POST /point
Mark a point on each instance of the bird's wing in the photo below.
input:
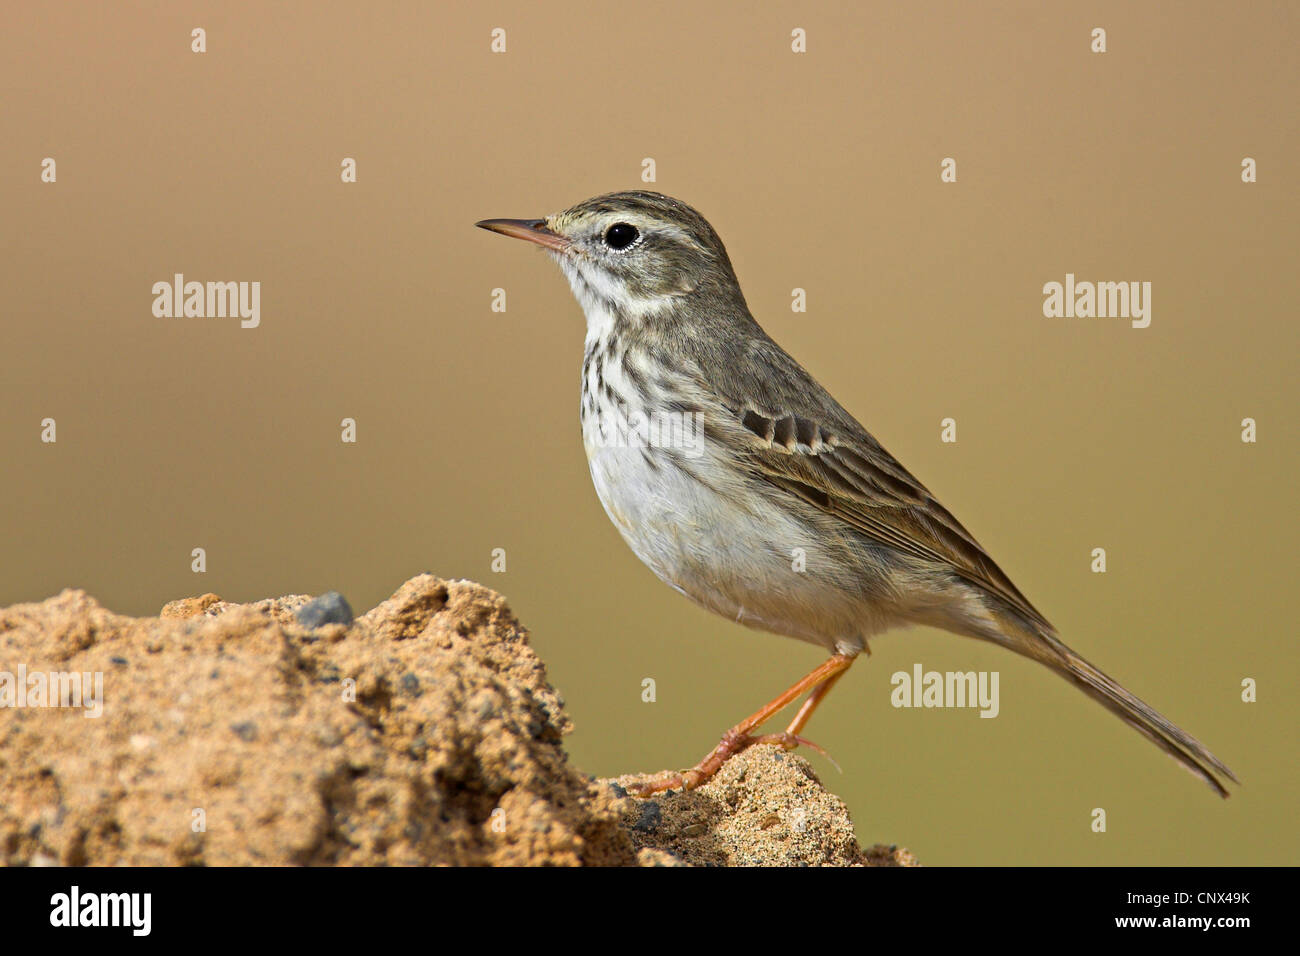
(803, 442)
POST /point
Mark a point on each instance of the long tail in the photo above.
(1168, 736)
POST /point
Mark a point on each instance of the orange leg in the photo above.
(820, 681)
(815, 698)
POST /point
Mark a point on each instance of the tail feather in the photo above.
(1165, 734)
(1168, 736)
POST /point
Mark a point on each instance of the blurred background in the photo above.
(820, 171)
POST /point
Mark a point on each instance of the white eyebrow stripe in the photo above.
(673, 231)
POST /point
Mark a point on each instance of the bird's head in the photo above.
(631, 254)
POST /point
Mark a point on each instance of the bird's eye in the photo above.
(620, 235)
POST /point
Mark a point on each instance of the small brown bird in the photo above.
(718, 457)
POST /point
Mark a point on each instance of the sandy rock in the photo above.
(765, 807)
(189, 607)
(425, 732)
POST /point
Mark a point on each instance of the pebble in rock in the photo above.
(329, 608)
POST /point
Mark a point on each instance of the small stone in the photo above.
(485, 704)
(189, 607)
(650, 819)
(330, 608)
(246, 730)
(328, 737)
(694, 830)
(119, 661)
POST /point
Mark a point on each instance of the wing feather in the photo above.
(846, 473)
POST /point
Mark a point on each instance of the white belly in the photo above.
(735, 553)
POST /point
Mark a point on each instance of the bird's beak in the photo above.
(534, 230)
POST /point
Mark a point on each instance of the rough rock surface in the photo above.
(765, 807)
(423, 733)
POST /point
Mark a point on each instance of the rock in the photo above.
(330, 608)
(765, 807)
(189, 607)
(424, 732)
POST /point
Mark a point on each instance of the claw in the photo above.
(790, 741)
(657, 783)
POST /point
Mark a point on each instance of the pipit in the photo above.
(767, 502)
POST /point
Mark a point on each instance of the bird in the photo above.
(761, 464)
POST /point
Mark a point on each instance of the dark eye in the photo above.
(620, 235)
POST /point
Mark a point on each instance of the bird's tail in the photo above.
(1047, 648)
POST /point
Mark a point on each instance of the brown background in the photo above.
(820, 171)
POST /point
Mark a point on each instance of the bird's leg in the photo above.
(740, 736)
(815, 698)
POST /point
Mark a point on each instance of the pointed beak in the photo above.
(534, 230)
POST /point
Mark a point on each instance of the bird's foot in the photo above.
(738, 738)
(788, 741)
(732, 743)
